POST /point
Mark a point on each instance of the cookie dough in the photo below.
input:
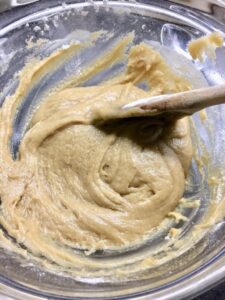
(79, 185)
(205, 46)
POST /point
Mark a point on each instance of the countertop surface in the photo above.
(216, 293)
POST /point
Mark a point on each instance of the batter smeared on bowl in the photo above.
(77, 185)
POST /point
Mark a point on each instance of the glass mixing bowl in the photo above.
(39, 29)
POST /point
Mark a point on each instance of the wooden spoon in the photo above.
(176, 105)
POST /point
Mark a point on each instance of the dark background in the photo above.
(217, 293)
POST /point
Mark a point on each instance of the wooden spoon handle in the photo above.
(184, 103)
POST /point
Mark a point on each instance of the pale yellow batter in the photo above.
(205, 46)
(76, 184)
